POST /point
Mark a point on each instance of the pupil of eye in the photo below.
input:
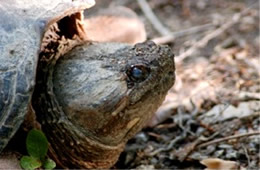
(137, 73)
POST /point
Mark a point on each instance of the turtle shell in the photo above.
(22, 26)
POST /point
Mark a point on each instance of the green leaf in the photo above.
(49, 164)
(30, 163)
(36, 144)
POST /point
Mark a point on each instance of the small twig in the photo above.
(244, 95)
(204, 41)
(195, 110)
(172, 36)
(228, 138)
(170, 145)
(180, 122)
(203, 138)
(152, 17)
(185, 151)
(247, 156)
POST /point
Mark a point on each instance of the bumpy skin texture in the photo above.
(22, 24)
(98, 96)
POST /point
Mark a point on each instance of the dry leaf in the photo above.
(219, 164)
(221, 112)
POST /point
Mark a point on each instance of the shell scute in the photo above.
(22, 26)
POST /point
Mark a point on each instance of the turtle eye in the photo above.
(138, 73)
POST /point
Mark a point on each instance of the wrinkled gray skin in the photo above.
(22, 25)
(94, 85)
(93, 103)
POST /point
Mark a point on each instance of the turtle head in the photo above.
(97, 96)
(110, 90)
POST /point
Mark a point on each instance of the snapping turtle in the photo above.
(89, 97)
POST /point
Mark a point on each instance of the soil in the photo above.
(217, 91)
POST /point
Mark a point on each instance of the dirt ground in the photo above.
(213, 109)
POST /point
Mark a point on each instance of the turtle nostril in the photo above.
(151, 45)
